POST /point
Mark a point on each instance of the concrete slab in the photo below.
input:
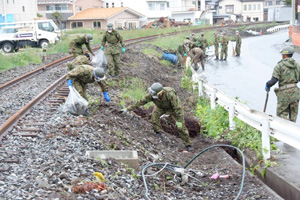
(123, 156)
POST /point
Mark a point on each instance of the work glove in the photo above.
(123, 49)
(220, 46)
(184, 54)
(197, 43)
(124, 111)
(93, 53)
(267, 88)
(70, 51)
(70, 83)
(102, 48)
(106, 97)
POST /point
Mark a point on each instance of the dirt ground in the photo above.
(135, 133)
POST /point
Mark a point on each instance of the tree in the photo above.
(39, 15)
(57, 18)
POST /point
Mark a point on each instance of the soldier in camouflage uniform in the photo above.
(76, 45)
(79, 60)
(287, 74)
(216, 44)
(197, 55)
(114, 40)
(238, 44)
(224, 48)
(81, 75)
(203, 42)
(166, 102)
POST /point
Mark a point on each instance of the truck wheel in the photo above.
(7, 47)
(44, 43)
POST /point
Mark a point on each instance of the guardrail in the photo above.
(281, 129)
(277, 28)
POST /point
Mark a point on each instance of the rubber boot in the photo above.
(217, 58)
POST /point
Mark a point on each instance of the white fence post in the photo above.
(194, 80)
(200, 88)
(266, 150)
(213, 99)
(231, 116)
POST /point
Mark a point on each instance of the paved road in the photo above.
(245, 77)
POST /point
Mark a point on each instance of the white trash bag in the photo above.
(75, 104)
(99, 60)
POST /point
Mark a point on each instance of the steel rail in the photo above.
(13, 119)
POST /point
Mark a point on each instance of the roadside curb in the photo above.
(273, 181)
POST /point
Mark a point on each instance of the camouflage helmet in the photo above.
(155, 89)
(89, 37)
(109, 25)
(187, 37)
(214, 33)
(202, 34)
(287, 50)
(236, 31)
(99, 74)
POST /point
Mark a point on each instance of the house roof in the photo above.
(103, 13)
(54, 1)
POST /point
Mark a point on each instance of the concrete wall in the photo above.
(81, 5)
(22, 10)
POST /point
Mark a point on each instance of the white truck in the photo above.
(36, 33)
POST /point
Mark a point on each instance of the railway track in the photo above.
(39, 79)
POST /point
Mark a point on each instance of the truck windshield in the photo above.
(46, 26)
(56, 29)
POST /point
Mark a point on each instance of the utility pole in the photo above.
(293, 13)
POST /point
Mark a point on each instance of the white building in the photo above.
(242, 10)
(17, 10)
(173, 9)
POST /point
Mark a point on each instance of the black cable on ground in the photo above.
(172, 167)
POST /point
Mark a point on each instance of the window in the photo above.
(249, 7)
(121, 4)
(168, 4)
(151, 6)
(254, 6)
(97, 24)
(23, 8)
(76, 25)
(107, 5)
(79, 8)
(162, 6)
(59, 7)
(119, 26)
(45, 26)
(132, 25)
(229, 8)
(112, 5)
(255, 19)
(278, 2)
(268, 3)
(49, 7)
(258, 6)
(245, 7)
